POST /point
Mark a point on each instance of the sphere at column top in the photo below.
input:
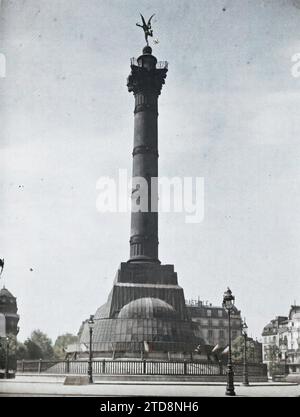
(147, 50)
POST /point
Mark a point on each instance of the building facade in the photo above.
(9, 329)
(255, 351)
(9, 313)
(270, 337)
(281, 341)
(211, 322)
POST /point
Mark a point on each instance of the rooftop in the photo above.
(5, 293)
(201, 307)
(294, 312)
(273, 327)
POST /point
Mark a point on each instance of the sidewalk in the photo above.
(123, 389)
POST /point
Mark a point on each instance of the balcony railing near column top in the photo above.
(162, 65)
(159, 64)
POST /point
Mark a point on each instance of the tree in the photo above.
(33, 351)
(238, 350)
(39, 346)
(273, 358)
(21, 351)
(62, 342)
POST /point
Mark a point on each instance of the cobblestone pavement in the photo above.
(15, 388)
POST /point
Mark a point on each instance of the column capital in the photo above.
(144, 80)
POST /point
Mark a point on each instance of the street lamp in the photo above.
(245, 370)
(91, 325)
(228, 303)
(6, 358)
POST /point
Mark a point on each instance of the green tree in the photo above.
(33, 350)
(21, 351)
(62, 342)
(39, 346)
(238, 350)
(273, 358)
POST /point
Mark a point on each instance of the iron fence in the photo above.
(135, 367)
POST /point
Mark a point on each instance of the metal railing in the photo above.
(162, 65)
(134, 367)
(159, 65)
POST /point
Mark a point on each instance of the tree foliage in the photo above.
(253, 354)
(62, 342)
(39, 346)
(273, 352)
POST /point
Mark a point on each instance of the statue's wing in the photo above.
(143, 20)
(149, 21)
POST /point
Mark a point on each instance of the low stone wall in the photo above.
(33, 377)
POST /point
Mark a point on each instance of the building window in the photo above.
(220, 313)
(208, 313)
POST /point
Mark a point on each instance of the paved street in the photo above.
(15, 388)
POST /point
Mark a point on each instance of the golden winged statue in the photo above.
(146, 27)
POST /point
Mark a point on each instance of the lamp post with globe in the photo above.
(91, 325)
(228, 304)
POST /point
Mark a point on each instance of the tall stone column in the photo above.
(145, 81)
(146, 304)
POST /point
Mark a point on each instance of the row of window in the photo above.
(220, 313)
(218, 323)
(270, 339)
(210, 334)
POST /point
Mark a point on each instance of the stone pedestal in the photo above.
(145, 312)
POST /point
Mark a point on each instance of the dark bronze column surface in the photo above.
(145, 81)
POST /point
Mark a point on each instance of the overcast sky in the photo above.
(229, 112)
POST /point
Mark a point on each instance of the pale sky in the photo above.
(229, 112)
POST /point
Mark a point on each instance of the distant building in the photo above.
(270, 336)
(8, 326)
(211, 322)
(289, 340)
(281, 341)
(8, 311)
(255, 354)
